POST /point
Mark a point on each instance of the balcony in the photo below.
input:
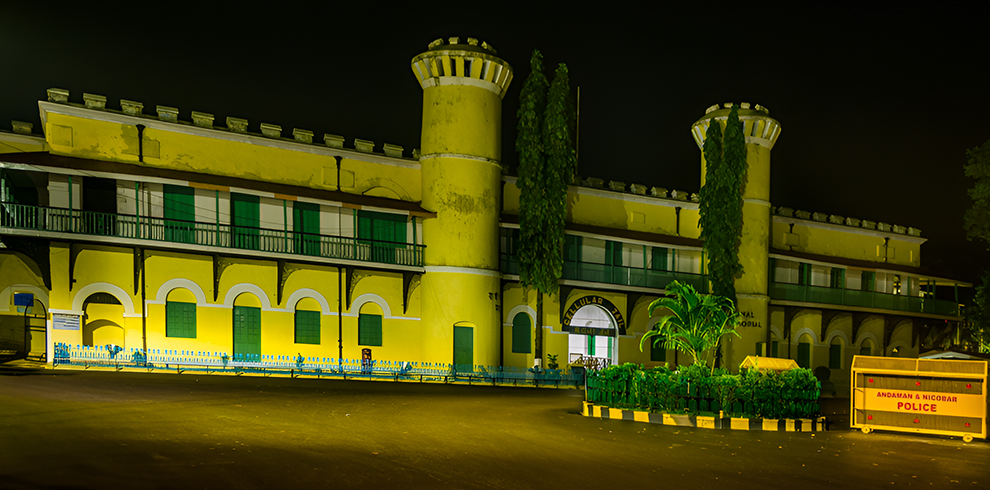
(616, 274)
(107, 225)
(863, 299)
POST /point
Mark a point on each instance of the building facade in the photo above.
(143, 230)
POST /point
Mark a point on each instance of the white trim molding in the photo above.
(27, 288)
(290, 303)
(461, 270)
(104, 287)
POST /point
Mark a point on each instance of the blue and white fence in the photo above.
(301, 366)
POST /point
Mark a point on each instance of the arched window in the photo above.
(370, 325)
(804, 352)
(658, 353)
(521, 333)
(835, 354)
(180, 314)
(307, 321)
(866, 348)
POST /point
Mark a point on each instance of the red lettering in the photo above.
(900, 405)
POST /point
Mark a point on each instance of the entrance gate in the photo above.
(463, 347)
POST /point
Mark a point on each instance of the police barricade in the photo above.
(928, 396)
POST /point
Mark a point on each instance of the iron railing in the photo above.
(865, 299)
(28, 217)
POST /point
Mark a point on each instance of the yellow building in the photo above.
(173, 235)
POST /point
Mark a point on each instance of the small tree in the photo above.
(977, 313)
(696, 322)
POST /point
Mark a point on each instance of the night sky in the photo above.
(877, 105)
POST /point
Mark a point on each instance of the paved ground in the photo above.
(73, 429)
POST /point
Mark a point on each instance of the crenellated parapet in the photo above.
(454, 63)
(206, 120)
(758, 126)
(845, 221)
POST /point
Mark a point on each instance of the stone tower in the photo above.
(463, 86)
(752, 298)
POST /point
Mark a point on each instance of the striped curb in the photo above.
(705, 422)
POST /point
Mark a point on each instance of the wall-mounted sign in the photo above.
(603, 303)
(62, 321)
(749, 320)
(604, 332)
(23, 299)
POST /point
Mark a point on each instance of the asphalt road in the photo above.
(74, 429)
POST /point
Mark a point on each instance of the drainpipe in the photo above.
(144, 308)
(140, 130)
(340, 287)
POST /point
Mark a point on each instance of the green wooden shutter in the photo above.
(307, 327)
(804, 355)
(572, 248)
(835, 356)
(613, 253)
(657, 351)
(179, 211)
(370, 330)
(804, 274)
(180, 319)
(245, 216)
(306, 224)
(521, 333)
(659, 259)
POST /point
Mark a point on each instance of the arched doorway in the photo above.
(593, 324)
(104, 320)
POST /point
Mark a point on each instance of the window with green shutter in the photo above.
(659, 259)
(383, 232)
(245, 217)
(180, 319)
(804, 355)
(307, 327)
(179, 211)
(613, 253)
(306, 224)
(369, 329)
(657, 351)
(804, 274)
(572, 248)
(521, 333)
(837, 278)
(835, 356)
(869, 281)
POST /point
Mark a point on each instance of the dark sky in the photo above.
(877, 105)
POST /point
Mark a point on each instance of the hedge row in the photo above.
(752, 393)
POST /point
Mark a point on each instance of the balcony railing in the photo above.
(616, 274)
(865, 299)
(26, 217)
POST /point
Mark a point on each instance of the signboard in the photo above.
(605, 332)
(62, 321)
(23, 299)
(951, 404)
(605, 304)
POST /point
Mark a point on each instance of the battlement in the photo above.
(758, 126)
(835, 219)
(206, 121)
(454, 63)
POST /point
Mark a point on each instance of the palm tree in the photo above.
(696, 324)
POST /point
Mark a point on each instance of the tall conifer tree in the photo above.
(533, 270)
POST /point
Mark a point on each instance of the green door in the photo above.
(247, 333)
(464, 348)
(180, 213)
(384, 232)
(306, 224)
(245, 218)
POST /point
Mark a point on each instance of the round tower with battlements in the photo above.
(463, 86)
(752, 298)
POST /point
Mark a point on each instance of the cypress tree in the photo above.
(532, 187)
